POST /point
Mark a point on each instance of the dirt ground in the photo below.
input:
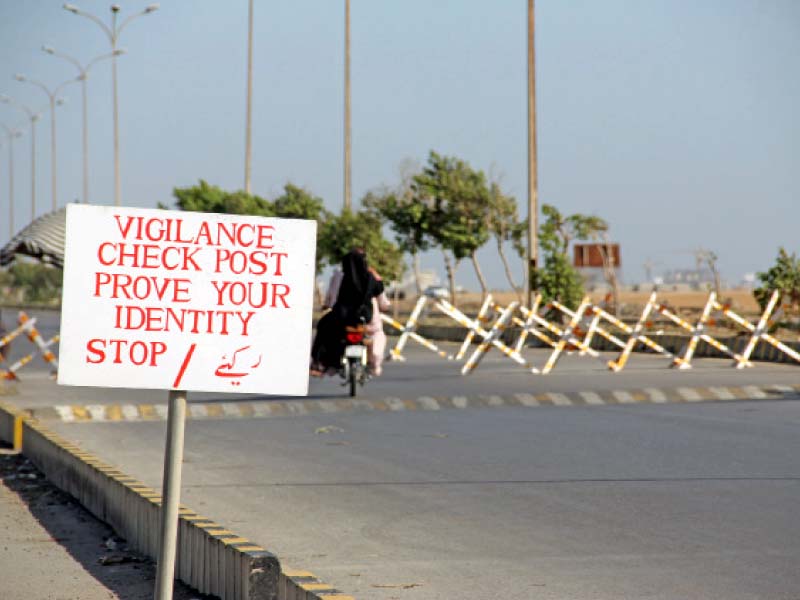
(53, 549)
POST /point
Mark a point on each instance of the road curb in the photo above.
(104, 413)
(210, 558)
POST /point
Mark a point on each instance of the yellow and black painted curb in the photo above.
(210, 558)
(11, 420)
(284, 408)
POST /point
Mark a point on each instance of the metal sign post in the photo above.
(171, 495)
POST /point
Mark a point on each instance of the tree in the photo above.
(298, 203)
(609, 268)
(294, 203)
(362, 229)
(210, 198)
(702, 255)
(505, 226)
(783, 276)
(558, 279)
(458, 219)
(408, 219)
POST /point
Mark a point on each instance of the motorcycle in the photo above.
(354, 361)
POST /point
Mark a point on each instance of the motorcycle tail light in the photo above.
(355, 337)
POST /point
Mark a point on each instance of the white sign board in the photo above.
(180, 300)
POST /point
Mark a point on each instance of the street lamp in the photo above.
(113, 33)
(33, 116)
(248, 130)
(347, 126)
(11, 133)
(52, 95)
(533, 198)
(82, 77)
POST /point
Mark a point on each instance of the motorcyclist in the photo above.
(353, 306)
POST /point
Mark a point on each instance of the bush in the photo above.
(783, 276)
(35, 282)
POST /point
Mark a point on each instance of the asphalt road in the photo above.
(670, 501)
(686, 500)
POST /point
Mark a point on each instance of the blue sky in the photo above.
(675, 120)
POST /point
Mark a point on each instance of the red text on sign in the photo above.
(254, 263)
(258, 294)
(154, 229)
(120, 351)
(120, 285)
(148, 256)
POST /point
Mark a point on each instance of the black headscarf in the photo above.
(357, 289)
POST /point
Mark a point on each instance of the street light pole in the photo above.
(52, 95)
(533, 210)
(11, 133)
(33, 117)
(83, 75)
(347, 140)
(113, 33)
(117, 181)
(249, 125)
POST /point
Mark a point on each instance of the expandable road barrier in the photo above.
(526, 328)
(494, 333)
(6, 339)
(28, 326)
(397, 352)
(591, 321)
(586, 322)
(36, 338)
(488, 305)
(698, 333)
(759, 331)
(568, 337)
(44, 349)
(490, 338)
(634, 334)
(408, 331)
(22, 328)
(529, 325)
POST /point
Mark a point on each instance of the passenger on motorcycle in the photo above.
(353, 306)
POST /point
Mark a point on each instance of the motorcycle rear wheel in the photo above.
(353, 381)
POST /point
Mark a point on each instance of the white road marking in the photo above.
(591, 398)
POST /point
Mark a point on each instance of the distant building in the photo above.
(407, 287)
(692, 278)
(748, 280)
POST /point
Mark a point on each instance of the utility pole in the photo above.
(248, 144)
(347, 170)
(533, 207)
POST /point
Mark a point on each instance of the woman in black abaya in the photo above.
(353, 306)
